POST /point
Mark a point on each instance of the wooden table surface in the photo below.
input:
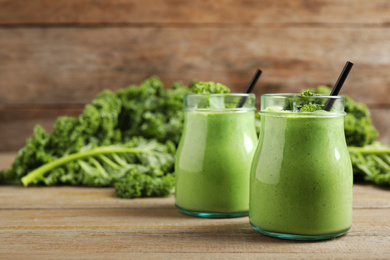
(79, 222)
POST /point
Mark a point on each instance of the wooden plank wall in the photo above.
(55, 56)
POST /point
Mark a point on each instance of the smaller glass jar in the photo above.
(214, 156)
(301, 176)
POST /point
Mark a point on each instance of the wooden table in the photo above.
(79, 222)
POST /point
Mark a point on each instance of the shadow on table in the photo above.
(158, 213)
(172, 223)
(206, 229)
(147, 212)
(235, 233)
(371, 185)
(178, 228)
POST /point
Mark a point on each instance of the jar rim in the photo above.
(295, 95)
(302, 114)
(227, 102)
(316, 105)
(223, 110)
(223, 94)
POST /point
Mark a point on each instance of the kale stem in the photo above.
(40, 171)
(368, 150)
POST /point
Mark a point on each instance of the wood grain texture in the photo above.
(91, 223)
(6, 159)
(15, 198)
(71, 65)
(14, 12)
(381, 120)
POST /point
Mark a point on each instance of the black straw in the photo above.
(250, 87)
(336, 88)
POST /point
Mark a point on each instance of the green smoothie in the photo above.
(301, 177)
(213, 163)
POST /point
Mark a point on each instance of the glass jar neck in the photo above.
(294, 104)
(219, 102)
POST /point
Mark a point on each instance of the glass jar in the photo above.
(301, 176)
(214, 156)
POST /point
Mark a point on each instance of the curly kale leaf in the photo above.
(304, 102)
(310, 107)
(371, 163)
(359, 129)
(147, 162)
(308, 93)
(95, 126)
(151, 112)
(209, 87)
(145, 181)
(146, 111)
(31, 156)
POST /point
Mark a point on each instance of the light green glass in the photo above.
(213, 159)
(301, 176)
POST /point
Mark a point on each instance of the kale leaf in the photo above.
(147, 162)
(208, 87)
(371, 163)
(116, 138)
(304, 102)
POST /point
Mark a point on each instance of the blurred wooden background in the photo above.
(56, 55)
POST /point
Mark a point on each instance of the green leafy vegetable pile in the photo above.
(120, 137)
